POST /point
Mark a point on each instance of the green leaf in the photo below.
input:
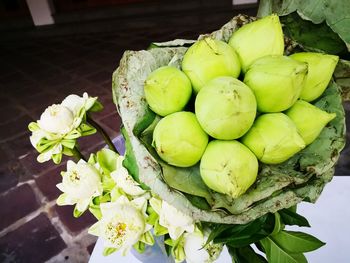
(57, 158)
(245, 255)
(85, 129)
(291, 218)
(342, 77)
(245, 234)
(77, 213)
(96, 107)
(108, 250)
(275, 253)
(107, 160)
(159, 230)
(297, 242)
(187, 180)
(33, 126)
(278, 225)
(68, 143)
(139, 247)
(333, 12)
(96, 211)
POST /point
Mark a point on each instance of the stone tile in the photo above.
(33, 166)
(14, 128)
(7, 179)
(91, 247)
(20, 146)
(16, 204)
(100, 77)
(10, 113)
(88, 142)
(74, 225)
(48, 180)
(112, 121)
(34, 242)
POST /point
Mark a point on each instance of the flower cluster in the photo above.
(59, 126)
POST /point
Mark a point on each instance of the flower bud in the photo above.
(223, 103)
(179, 139)
(228, 167)
(321, 68)
(56, 119)
(258, 39)
(167, 90)
(276, 82)
(195, 250)
(207, 59)
(273, 138)
(309, 119)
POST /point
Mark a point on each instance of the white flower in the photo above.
(171, 218)
(81, 182)
(76, 103)
(122, 223)
(56, 119)
(124, 180)
(195, 250)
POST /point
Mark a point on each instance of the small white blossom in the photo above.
(122, 224)
(125, 181)
(81, 182)
(171, 218)
(76, 103)
(195, 250)
(56, 119)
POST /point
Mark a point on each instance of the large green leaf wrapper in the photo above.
(301, 178)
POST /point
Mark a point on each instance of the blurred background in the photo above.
(48, 50)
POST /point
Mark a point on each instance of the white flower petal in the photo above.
(83, 204)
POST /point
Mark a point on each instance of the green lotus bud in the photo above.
(167, 90)
(225, 108)
(207, 59)
(179, 139)
(273, 138)
(228, 167)
(276, 82)
(321, 68)
(258, 39)
(309, 119)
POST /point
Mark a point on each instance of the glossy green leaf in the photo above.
(297, 242)
(278, 224)
(96, 107)
(275, 253)
(107, 160)
(291, 218)
(245, 255)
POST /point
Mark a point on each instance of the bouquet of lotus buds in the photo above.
(224, 136)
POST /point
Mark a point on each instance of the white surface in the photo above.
(41, 12)
(329, 219)
(243, 2)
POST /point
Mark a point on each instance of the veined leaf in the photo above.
(297, 242)
(245, 255)
(333, 12)
(275, 253)
(291, 218)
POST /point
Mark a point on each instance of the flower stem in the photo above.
(103, 133)
(77, 154)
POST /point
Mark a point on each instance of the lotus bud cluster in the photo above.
(233, 83)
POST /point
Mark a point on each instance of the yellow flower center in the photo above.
(74, 176)
(116, 232)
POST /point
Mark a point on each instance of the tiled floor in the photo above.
(37, 72)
